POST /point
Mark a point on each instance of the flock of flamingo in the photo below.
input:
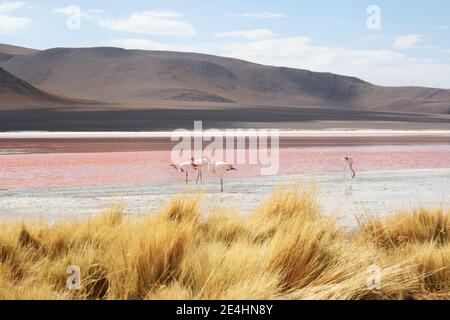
(220, 168)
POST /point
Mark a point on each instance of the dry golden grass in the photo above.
(286, 249)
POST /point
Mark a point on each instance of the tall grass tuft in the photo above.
(286, 249)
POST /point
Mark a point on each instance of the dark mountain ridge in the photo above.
(129, 77)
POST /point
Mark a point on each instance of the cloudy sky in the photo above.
(401, 42)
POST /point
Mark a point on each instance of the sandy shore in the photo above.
(374, 193)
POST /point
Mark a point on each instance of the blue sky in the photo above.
(407, 43)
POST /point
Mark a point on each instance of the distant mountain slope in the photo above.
(15, 50)
(151, 77)
(7, 51)
(17, 93)
(11, 85)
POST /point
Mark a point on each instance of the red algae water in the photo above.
(59, 170)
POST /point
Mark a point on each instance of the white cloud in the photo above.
(66, 10)
(260, 15)
(258, 34)
(156, 22)
(150, 22)
(409, 41)
(442, 27)
(11, 6)
(91, 14)
(10, 23)
(383, 67)
(447, 51)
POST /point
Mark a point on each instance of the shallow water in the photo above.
(61, 170)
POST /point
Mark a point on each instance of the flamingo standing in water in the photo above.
(349, 163)
(220, 168)
(200, 164)
(185, 167)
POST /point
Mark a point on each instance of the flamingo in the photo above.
(220, 168)
(185, 167)
(349, 162)
(200, 164)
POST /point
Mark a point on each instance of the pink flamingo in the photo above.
(185, 167)
(200, 164)
(349, 162)
(220, 168)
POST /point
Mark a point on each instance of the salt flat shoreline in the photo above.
(371, 193)
(91, 142)
(229, 132)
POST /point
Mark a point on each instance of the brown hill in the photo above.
(7, 51)
(11, 85)
(15, 50)
(16, 93)
(150, 78)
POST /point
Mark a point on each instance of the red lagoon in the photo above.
(58, 170)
